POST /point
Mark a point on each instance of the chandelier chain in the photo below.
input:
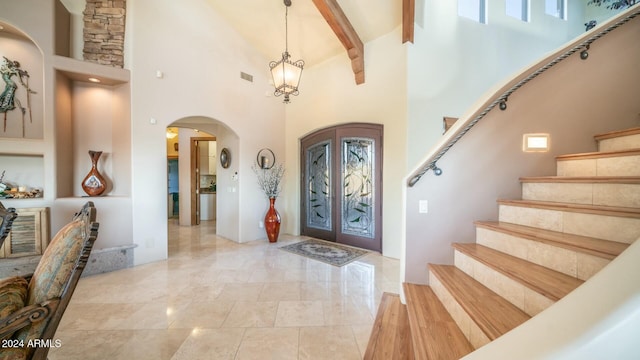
(286, 29)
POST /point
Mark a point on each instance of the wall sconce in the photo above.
(536, 142)
(265, 159)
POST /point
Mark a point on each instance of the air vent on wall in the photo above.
(246, 76)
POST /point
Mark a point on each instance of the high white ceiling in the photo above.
(262, 23)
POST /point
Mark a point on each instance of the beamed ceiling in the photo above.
(318, 29)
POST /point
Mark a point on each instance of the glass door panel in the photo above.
(318, 191)
(357, 187)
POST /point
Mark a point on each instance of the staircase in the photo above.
(563, 231)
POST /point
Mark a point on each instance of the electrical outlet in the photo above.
(423, 206)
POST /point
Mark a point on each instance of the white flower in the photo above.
(269, 179)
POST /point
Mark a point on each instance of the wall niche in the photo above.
(21, 65)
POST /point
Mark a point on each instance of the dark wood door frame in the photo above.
(335, 135)
(194, 154)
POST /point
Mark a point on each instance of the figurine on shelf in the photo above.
(8, 99)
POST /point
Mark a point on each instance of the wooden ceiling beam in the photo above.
(408, 20)
(339, 23)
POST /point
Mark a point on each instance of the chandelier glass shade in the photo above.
(286, 73)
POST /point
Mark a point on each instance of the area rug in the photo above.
(327, 252)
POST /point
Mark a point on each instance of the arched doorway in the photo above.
(210, 177)
(341, 187)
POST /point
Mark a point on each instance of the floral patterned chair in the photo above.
(6, 219)
(31, 311)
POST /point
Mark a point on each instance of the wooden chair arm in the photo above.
(27, 316)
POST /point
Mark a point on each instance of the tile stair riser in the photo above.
(606, 166)
(604, 227)
(469, 328)
(569, 262)
(516, 293)
(620, 143)
(622, 195)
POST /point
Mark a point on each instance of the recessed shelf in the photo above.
(21, 170)
(79, 70)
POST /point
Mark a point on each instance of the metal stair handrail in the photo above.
(501, 100)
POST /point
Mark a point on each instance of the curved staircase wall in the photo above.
(598, 320)
(571, 101)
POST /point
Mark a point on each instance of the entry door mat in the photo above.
(325, 251)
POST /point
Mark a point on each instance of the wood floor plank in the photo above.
(434, 333)
(549, 283)
(493, 314)
(597, 247)
(578, 208)
(582, 179)
(618, 133)
(599, 155)
(391, 335)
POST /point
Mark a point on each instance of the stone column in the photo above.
(104, 23)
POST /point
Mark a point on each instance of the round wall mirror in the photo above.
(265, 159)
(225, 158)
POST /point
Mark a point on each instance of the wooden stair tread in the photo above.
(581, 208)
(493, 314)
(549, 283)
(391, 335)
(597, 247)
(618, 133)
(434, 333)
(583, 179)
(598, 154)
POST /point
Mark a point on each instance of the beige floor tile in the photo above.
(241, 292)
(88, 345)
(152, 344)
(619, 166)
(269, 343)
(328, 342)
(315, 290)
(216, 299)
(99, 316)
(345, 312)
(267, 275)
(219, 344)
(300, 313)
(362, 334)
(585, 167)
(625, 195)
(252, 314)
(280, 291)
(205, 315)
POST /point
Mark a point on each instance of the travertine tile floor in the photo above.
(216, 299)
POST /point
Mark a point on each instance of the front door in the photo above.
(342, 185)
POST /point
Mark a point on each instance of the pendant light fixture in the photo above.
(286, 73)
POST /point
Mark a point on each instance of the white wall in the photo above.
(329, 96)
(201, 58)
(485, 165)
(455, 60)
(227, 200)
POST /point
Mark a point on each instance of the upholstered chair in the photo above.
(31, 311)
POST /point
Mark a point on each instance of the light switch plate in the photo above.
(423, 207)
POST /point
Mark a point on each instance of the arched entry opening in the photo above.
(195, 174)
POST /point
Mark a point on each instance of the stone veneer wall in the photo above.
(104, 32)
